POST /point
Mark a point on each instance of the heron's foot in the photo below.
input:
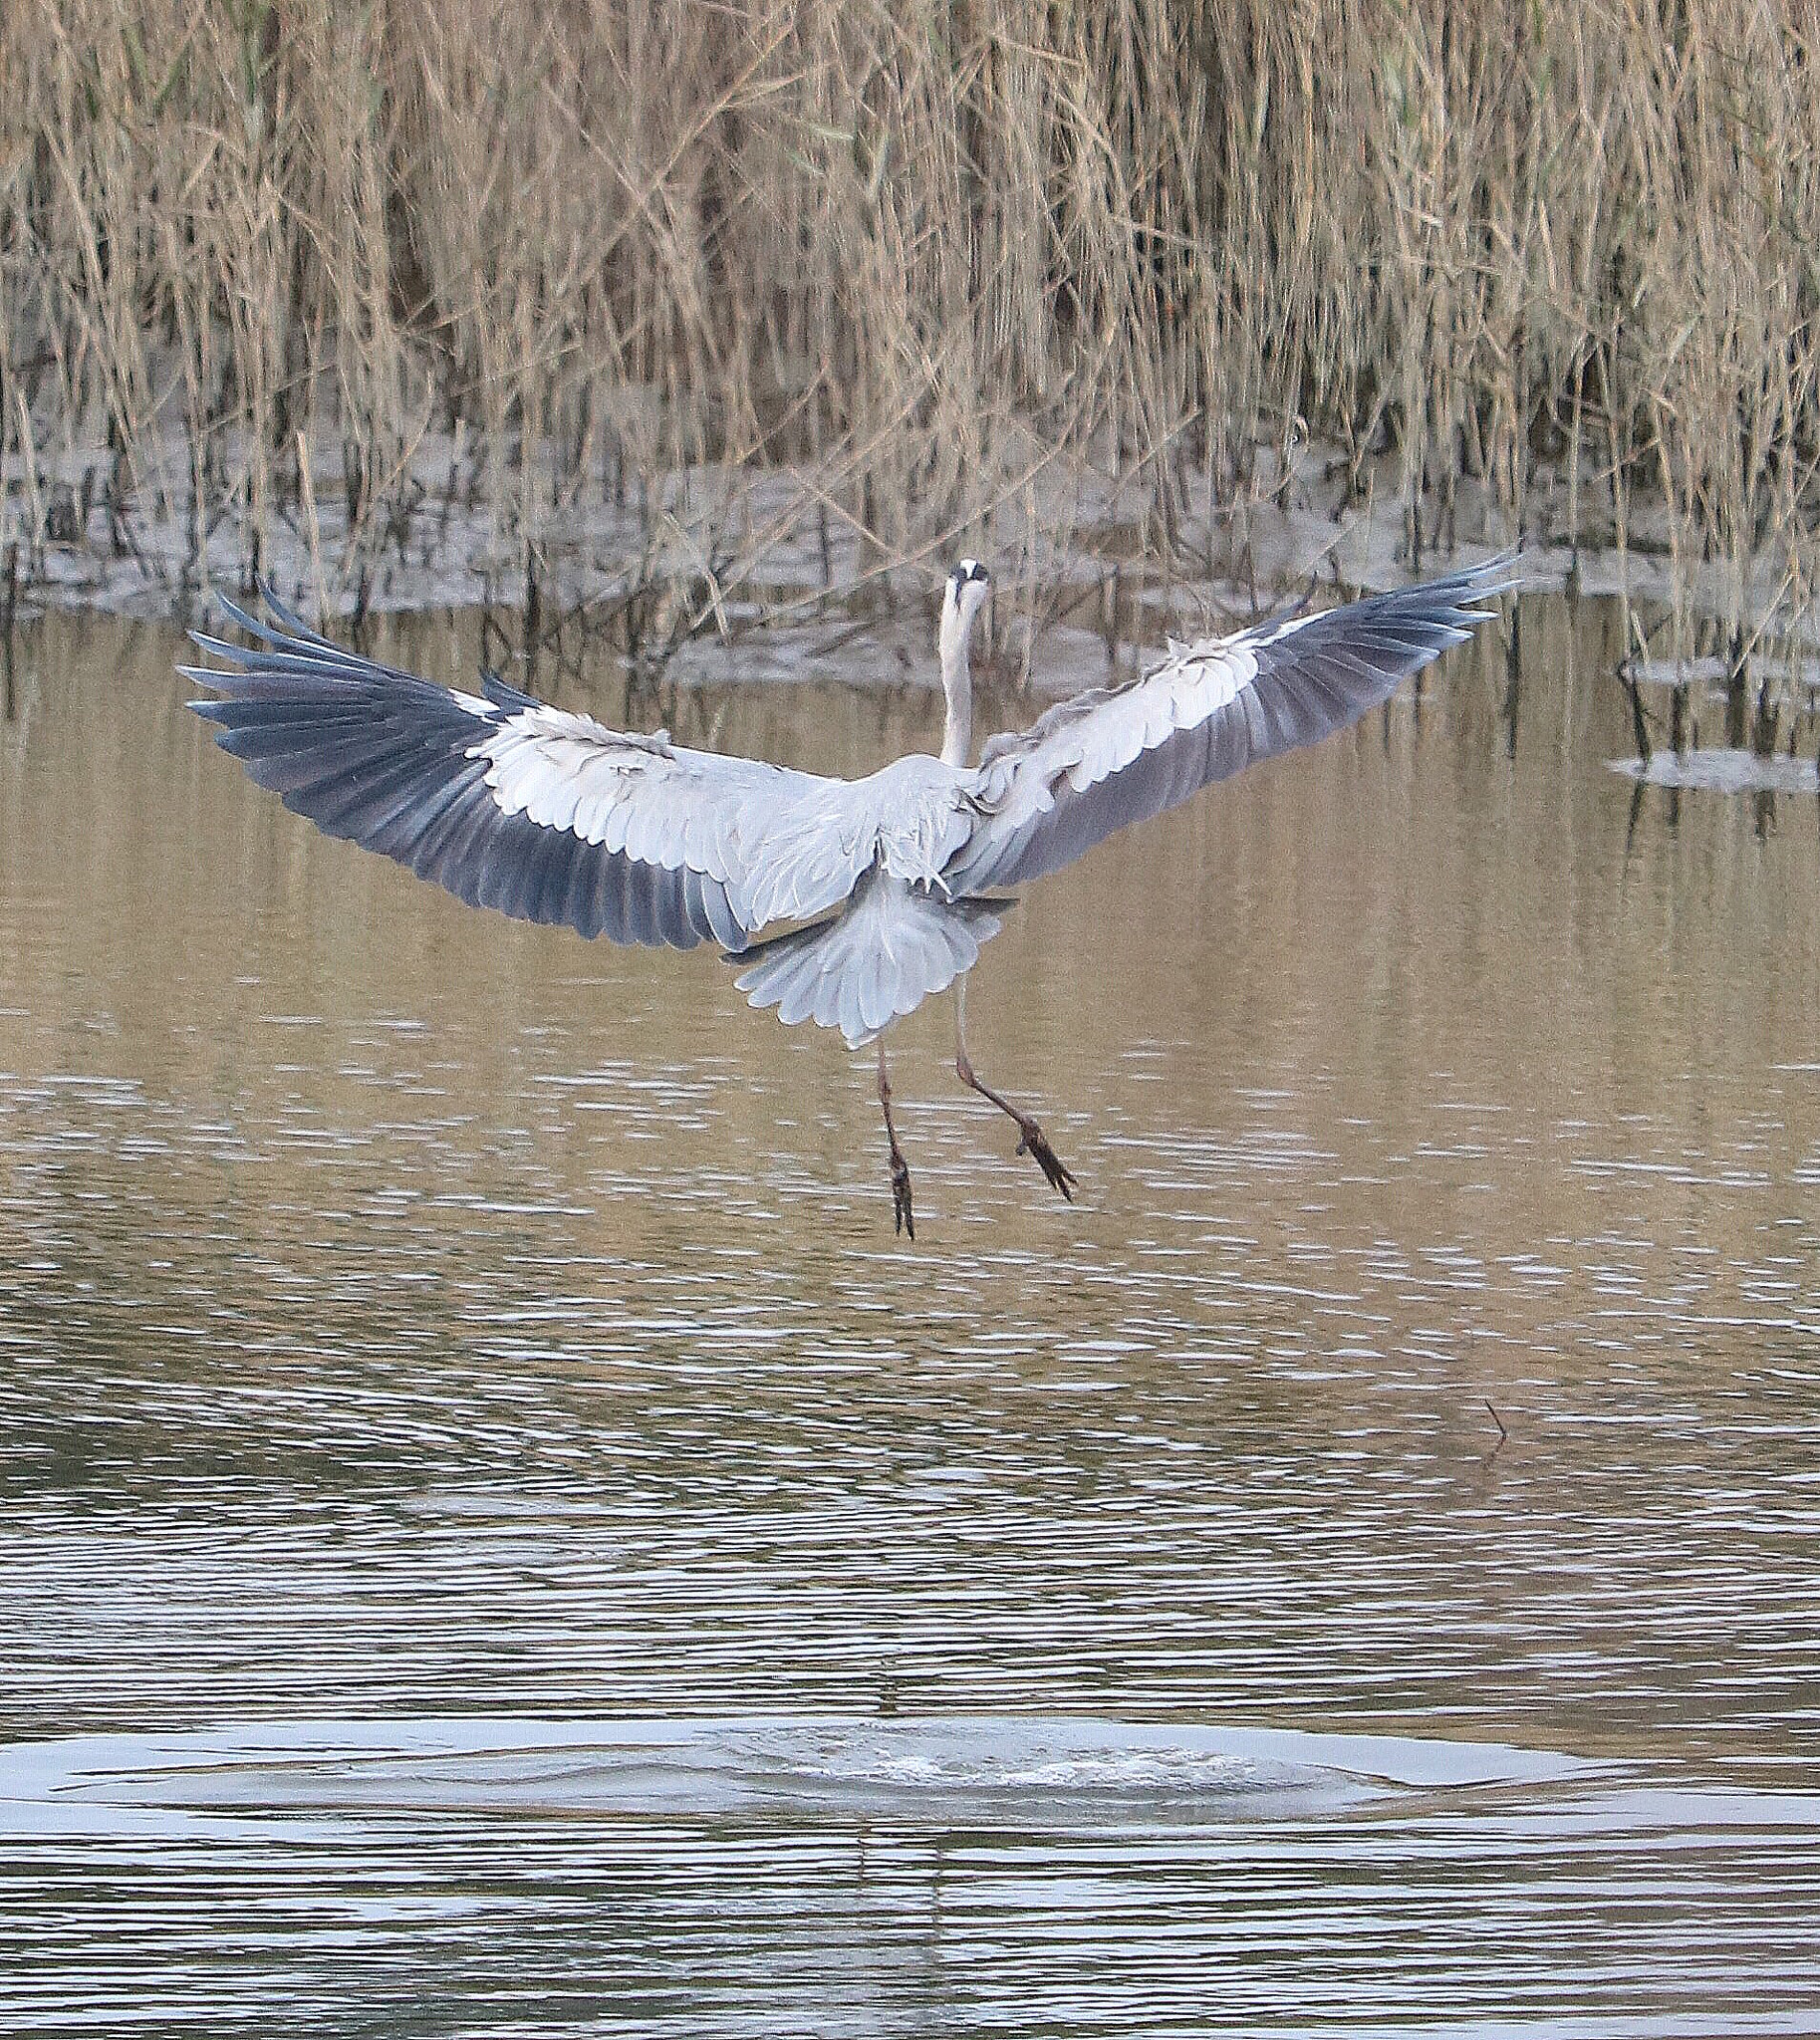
(1036, 1142)
(1033, 1139)
(903, 1219)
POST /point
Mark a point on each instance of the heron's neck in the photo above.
(957, 685)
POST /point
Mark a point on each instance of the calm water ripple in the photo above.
(498, 1538)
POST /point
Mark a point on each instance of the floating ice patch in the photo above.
(1722, 771)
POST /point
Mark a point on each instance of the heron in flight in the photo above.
(845, 901)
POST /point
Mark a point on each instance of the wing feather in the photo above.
(1090, 766)
(545, 815)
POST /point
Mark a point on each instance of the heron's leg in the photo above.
(903, 1219)
(1033, 1141)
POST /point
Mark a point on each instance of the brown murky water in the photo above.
(497, 1537)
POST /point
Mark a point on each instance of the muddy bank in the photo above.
(659, 560)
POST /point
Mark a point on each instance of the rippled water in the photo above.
(497, 1536)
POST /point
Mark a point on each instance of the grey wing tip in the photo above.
(1455, 602)
(218, 647)
(232, 611)
(286, 627)
(215, 647)
(290, 622)
(1503, 573)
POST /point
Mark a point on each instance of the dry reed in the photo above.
(1559, 261)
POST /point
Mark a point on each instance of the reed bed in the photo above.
(307, 272)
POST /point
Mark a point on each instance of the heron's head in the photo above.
(968, 585)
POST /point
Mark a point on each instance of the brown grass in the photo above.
(1557, 260)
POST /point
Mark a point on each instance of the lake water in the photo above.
(497, 1537)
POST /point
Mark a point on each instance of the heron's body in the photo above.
(848, 902)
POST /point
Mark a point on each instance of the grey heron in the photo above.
(846, 901)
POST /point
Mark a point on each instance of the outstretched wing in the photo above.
(545, 815)
(1118, 755)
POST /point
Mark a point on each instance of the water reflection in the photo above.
(407, 1313)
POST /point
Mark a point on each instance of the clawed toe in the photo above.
(1036, 1142)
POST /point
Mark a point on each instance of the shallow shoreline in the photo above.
(732, 557)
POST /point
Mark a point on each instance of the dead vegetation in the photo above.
(320, 274)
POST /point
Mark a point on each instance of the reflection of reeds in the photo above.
(910, 249)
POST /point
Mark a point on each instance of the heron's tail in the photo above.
(879, 958)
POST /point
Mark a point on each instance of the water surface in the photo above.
(499, 1537)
